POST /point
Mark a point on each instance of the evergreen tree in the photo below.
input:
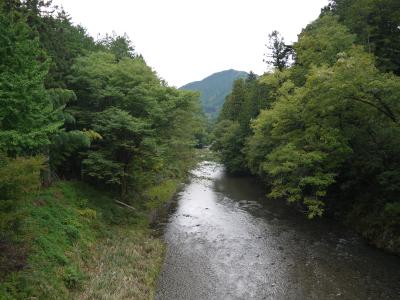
(279, 53)
(27, 115)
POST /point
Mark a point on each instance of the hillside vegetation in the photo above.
(213, 90)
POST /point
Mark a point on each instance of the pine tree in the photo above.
(279, 53)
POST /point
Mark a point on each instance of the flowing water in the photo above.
(225, 240)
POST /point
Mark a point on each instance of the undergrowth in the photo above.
(80, 245)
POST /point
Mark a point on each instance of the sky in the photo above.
(188, 40)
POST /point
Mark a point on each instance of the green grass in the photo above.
(159, 194)
(125, 266)
(81, 245)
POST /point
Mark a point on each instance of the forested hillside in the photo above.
(322, 129)
(91, 112)
(213, 90)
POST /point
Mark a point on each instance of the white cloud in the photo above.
(187, 40)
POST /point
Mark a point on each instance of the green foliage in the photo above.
(213, 90)
(376, 24)
(65, 144)
(122, 135)
(279, 53)
(64, 43)
(26, 113)
(324, 133)
(100, 81)
(159, 194)
(58, 37)
(73, 277)
(306, 139)
(86, 110)
(98, 167)
(241, 106)
(226, 136)
(120, 46)
(139, 119)
(321, 41)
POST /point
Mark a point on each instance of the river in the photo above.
(225, 240)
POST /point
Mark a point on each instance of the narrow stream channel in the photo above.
(226, 241)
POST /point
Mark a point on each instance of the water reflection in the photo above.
(226, 241)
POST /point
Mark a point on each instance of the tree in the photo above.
(234, 101)
(233, 128)
(27, 115)
(279, 53)
(120, 46)
(321, 41)
(63, 43)
(376, 24)
(229, 143)
(336, 130)
(110, 160)
(139, 118)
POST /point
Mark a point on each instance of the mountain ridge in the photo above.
(213, 89)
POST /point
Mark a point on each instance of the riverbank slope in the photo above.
(77, 243)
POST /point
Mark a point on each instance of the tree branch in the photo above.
(386, 113)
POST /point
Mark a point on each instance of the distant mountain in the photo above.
(213, 90)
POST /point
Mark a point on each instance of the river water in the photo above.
(225, 240)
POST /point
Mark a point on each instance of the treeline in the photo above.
(72, 107)
(323, 128)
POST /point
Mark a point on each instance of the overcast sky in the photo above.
(187, 40)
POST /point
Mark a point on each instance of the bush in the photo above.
(73, 277)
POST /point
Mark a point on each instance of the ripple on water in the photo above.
(224, 243)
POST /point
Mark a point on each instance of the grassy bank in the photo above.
(76, 243)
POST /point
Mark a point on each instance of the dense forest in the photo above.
(90, 111)
(321, 129)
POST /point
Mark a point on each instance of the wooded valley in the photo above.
(86, 124)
